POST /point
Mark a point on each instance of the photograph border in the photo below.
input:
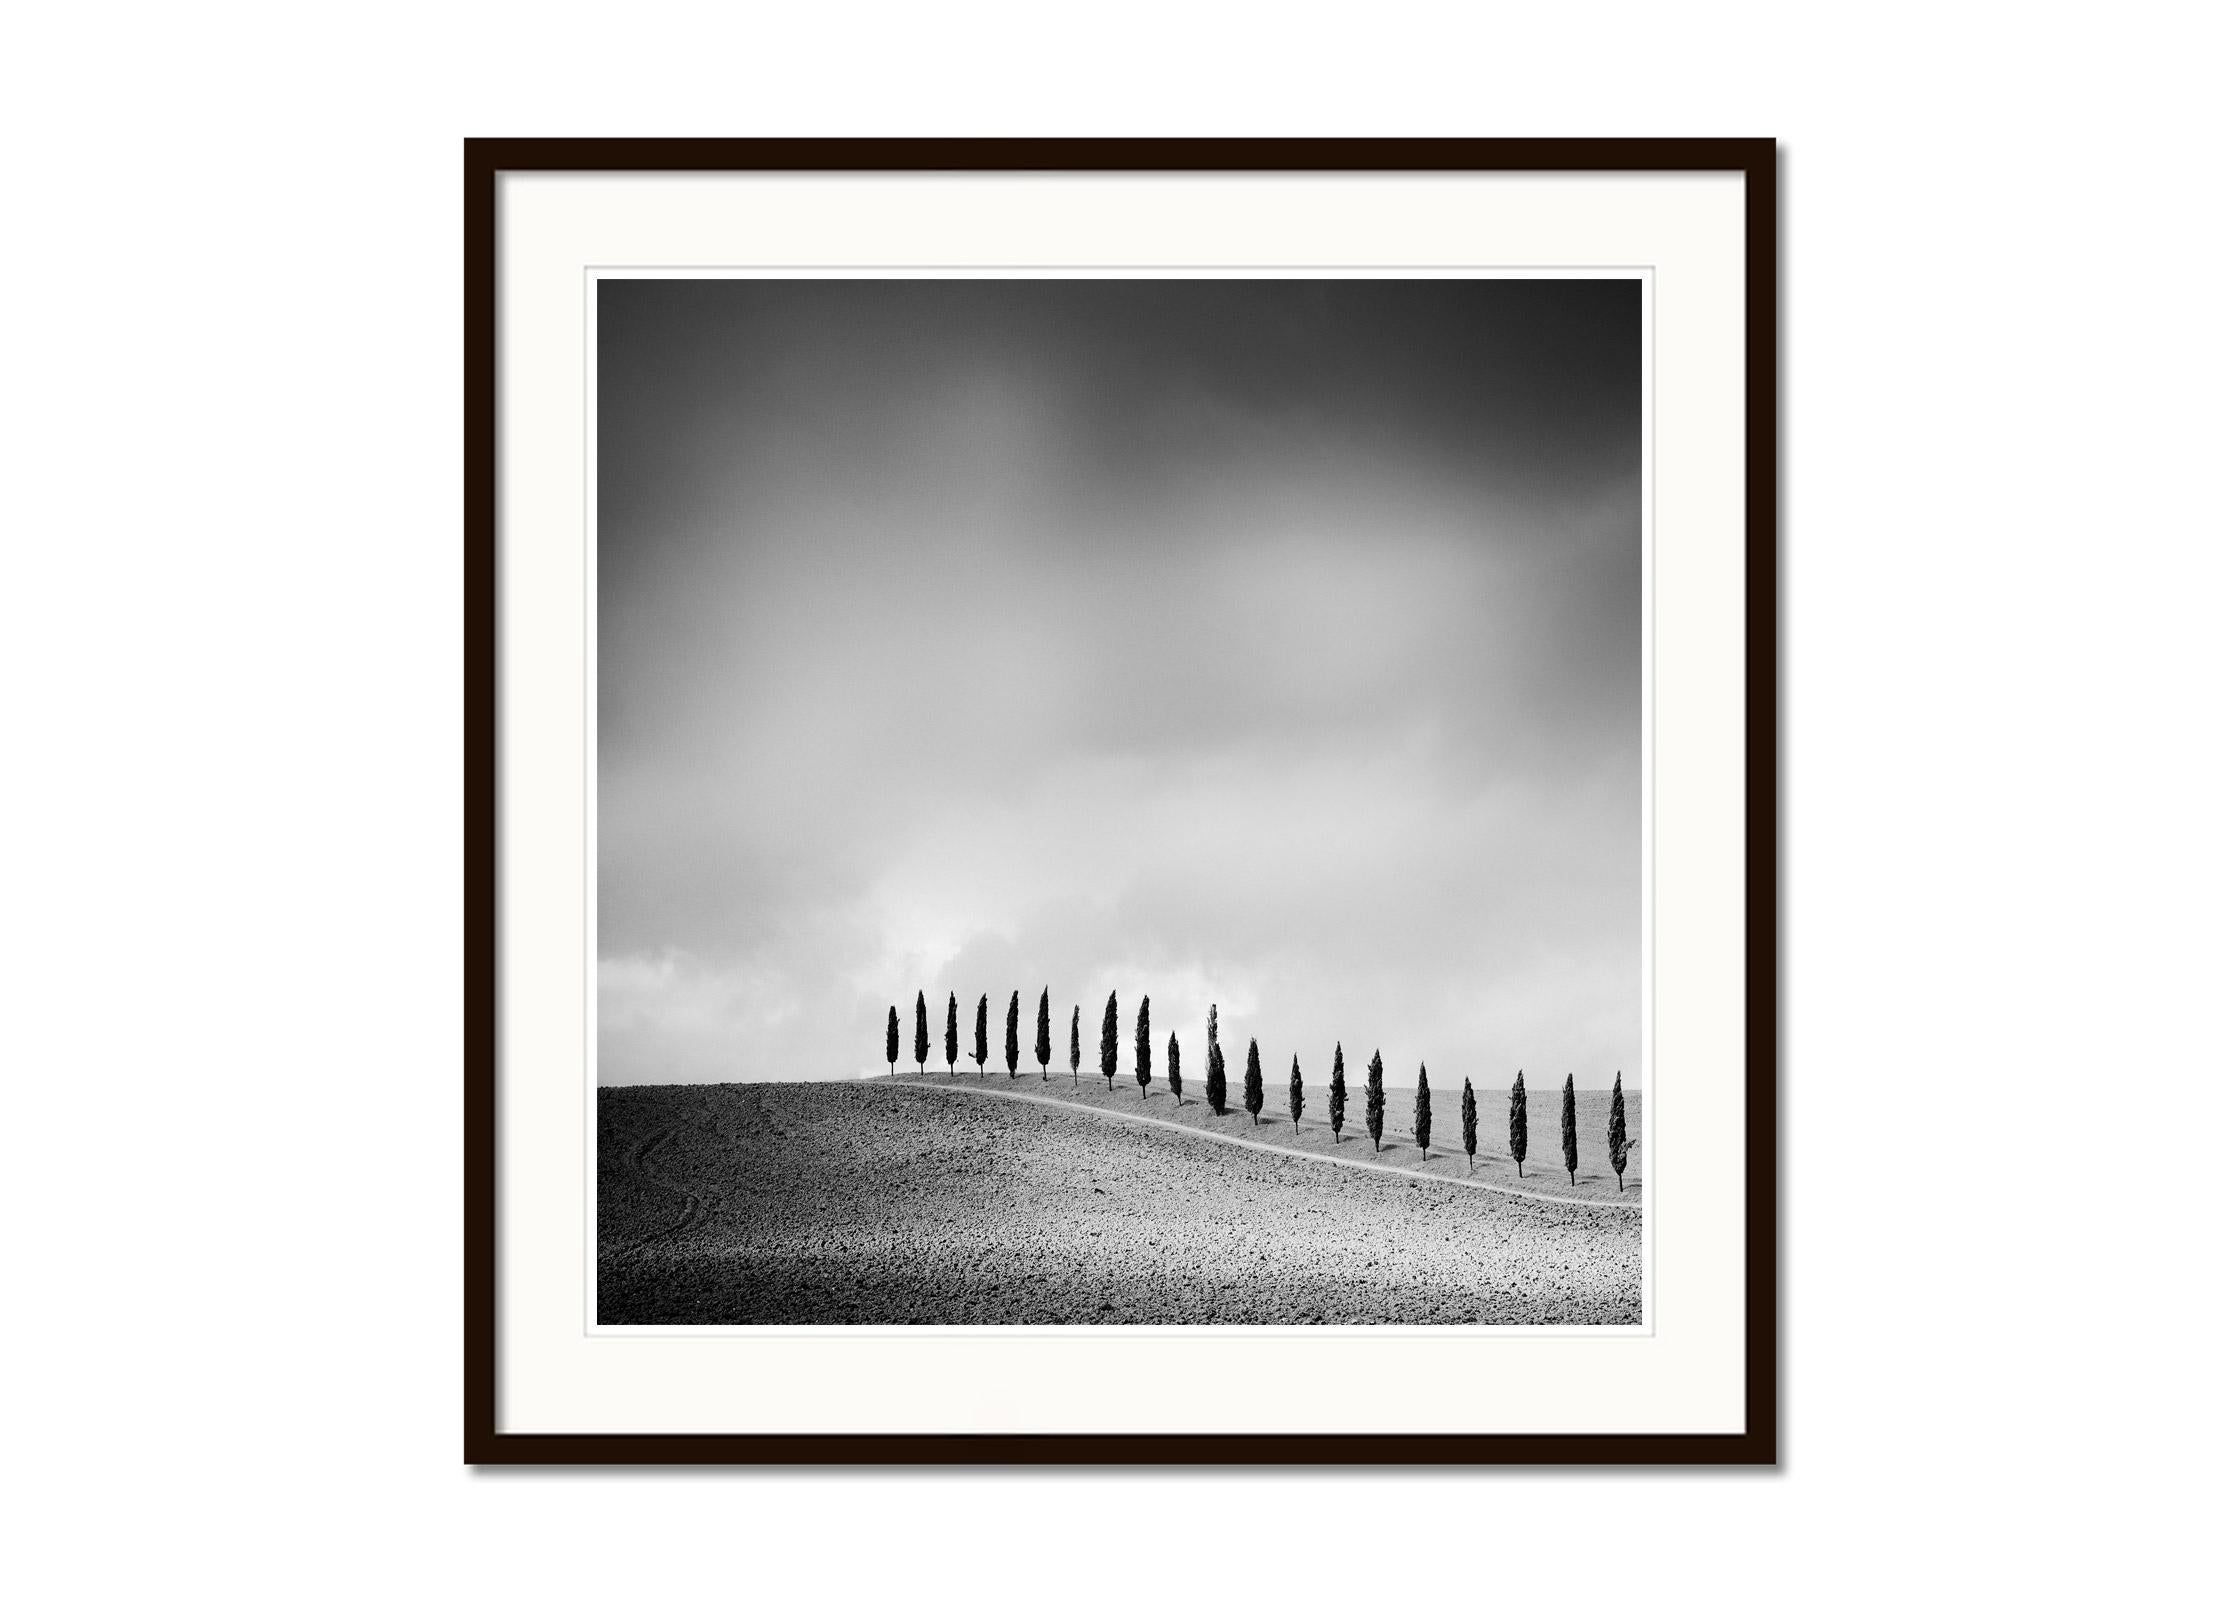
(487, 163)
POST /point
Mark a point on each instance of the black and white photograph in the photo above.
(1120, 801)
(1168, 802)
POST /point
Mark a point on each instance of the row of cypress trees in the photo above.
(1620, 1144)
(1109, 1054)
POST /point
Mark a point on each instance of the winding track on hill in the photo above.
(1255, 1144)
(688, 1198)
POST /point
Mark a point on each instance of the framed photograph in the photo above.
(1121, 801)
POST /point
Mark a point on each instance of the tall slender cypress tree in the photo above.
(1174, 1067)
(1143, 1048)
(1042, 1034)
(1011, 1037)
(980, 1037)
(894, 1039)
(1338, 1095)
(1108, 1047)
(1217, 1084)
(1076, 1056)
(949, 1037)
(1253, 1099)
(1298, 1094)
(923, 1043)
(1516, 1123)
(1570, 1133)
(1423, 1112)
(1619, 1143)
(1470, 1123)
(1372, 1104)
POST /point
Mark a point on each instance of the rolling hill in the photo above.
(877, 1202)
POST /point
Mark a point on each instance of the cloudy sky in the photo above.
(1268, 643)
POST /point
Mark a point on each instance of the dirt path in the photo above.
(1414, 1175)
(689, 1199)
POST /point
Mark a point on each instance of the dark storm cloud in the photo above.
(1274, 643)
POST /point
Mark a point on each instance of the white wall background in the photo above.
(229, 645)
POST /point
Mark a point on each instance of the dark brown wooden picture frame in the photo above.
(488, 162)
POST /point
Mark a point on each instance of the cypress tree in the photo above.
(1516, 1124)
(923, 1043)
(980, 1038)
(1213, 1029)
(1372, 1104)
(1174, 1067)
(1570, 1133)
(949, 1036)
(1253, 1100)
(1143, 1048)
(1076, 1058)
(1217, 1084)
(1619, 1143)
(1423, 1112)
(1108, 1059)
(1011, 1037)
(1338, 1095)
(1042, 1034)
(894, 1039)
(1298, 1093)
(1470, 1123)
